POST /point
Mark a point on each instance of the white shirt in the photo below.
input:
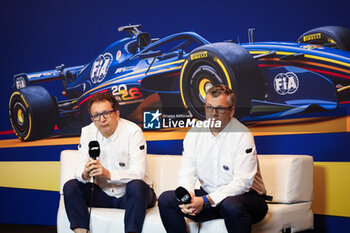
(225, 165)
(123, 154)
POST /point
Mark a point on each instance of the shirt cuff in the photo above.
(218, 196)
(79, 177)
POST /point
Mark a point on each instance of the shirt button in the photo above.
(113, 190)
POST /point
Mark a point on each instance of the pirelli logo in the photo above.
(312, 37)
(199, 55)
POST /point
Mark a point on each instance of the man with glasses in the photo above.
(224, 160)
(120, 173)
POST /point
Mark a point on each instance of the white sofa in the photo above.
(288, 178)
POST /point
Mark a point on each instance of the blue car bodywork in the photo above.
(321, 76)
(141, 72)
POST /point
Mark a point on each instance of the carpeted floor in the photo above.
(18, 228)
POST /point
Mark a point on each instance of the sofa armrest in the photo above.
(288, 178)
(164, 170)
(68, 162)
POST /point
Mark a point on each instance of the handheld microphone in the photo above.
(182, 195)
(94, 149)
(94, 152)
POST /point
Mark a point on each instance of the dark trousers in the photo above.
(239, 212)
(138, 197)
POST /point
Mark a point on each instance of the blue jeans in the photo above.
(138, 197)
(239, 212)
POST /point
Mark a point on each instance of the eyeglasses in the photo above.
(220, 110)
(97, 116)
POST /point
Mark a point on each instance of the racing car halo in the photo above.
(270, 79)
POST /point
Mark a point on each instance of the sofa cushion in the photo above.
(112, 220)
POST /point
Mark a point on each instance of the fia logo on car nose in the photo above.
(286, 83)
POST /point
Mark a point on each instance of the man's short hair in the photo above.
(220, 89)
(105, 96)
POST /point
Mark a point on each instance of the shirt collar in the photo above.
(225, 130)
(114, 136)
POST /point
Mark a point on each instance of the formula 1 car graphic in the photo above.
(270, 79)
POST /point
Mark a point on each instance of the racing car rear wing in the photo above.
(132, 29)
(143, 38)
(67, 74)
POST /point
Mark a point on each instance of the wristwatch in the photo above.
(206, 201)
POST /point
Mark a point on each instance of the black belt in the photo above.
(266, 197)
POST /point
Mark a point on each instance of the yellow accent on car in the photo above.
(328, 59)
(343, 88)
(263, 52)
(181, 77)
(14, 93)
(29, 116)
(199, 55)
(30, 126)
(258, 52)
(330, 40)
(307, 56)
(201, 87)
(20, 115)
(225, 72)
(314, 36)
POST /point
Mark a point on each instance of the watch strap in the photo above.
(206, 201)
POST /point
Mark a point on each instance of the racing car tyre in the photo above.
(329, 36)
(32, 113)
(220, 63)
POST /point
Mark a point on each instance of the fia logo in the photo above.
(151, 120)
(100, 67)
(20, 83)
(286, 83)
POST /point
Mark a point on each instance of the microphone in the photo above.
(182, 195)
(94, 152)
(94, 149)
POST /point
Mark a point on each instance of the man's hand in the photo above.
(87, 169)
(194, 208)
(94, 168)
